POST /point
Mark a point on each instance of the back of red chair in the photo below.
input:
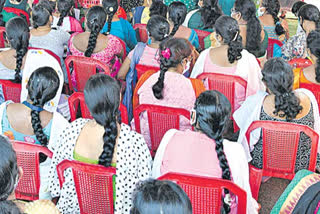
(142, 32)
(2, 39)
(206, 193)
(11, 91)
(202, 35)
(94, 186)
(280, 146)
(141, 69)
(300, 63)
(84, 68)
(271, 44)
(314, 88)
(28, 158)
(160, 119)
(18, 12)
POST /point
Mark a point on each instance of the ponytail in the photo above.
(64, 7)
(36, 124)
(158, 86)
(63, 14)
(110, 17)
(279, 29)
(111, 7)
(177, 14)
(175, 27)
(235, 48)
(210, 12)
(273, 8)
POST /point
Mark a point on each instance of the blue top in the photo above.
(124, 31)
(226, 6)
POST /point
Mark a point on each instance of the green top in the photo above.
(195, 22)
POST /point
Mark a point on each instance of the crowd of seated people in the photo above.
(209, 141)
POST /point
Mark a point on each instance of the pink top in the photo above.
(210, 67)
(149, 57)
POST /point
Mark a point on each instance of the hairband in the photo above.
(235, 38)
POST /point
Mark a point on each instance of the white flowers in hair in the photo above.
(111, 9)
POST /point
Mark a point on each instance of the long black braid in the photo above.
(177, 14)
(64, 7)
(111, 7)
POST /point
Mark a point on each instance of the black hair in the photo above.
(278, 76)
(248, 13)
(210, 12)
(42, 86)
(102, 96)
(228, 28)
(273, 8)
(155, 196)
(178, 49)
(158, 8)
(17, 32)
(9, 207)
(311, 13)
(96, 18)
(64, 7)
(177, 14)
(48, 5)
(313, 43)
(213, 112)
(158, 28)
(296, 7)
(111, 7)
(2, 2)
(40, 15)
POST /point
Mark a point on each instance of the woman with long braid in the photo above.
(118, 26)
(105, 141)
(206, 152)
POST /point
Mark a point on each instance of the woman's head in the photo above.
(246, 10)
(174, 53)
(313, 45)
(42, 87)
(155, 196)
(309, 17)
(296, 7)
(228, 33)
(41, 16)
(17, 32)
(111, 7)
(64, 7)
(210, 12)
(95, 20)
(158, 8)
(278, 77)
(177, 14)
(158, 28)
(272, 7)
(102, 96)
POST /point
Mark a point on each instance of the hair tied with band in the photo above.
(166, 53)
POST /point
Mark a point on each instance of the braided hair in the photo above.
(158, 28)
(311, 13)
(96, 18)
(228, 28)
(17, 31)
(102, 96)
(210, 12)
(158, 8)
(278, 76)
(42, 87)
(177, 14)
(64, 7)
(111, 7)
(213, 111)
(273, 8)
(313, 43)
(248, 13)
(178, 49)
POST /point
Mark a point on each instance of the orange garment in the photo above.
(299, 78)
(121, 13)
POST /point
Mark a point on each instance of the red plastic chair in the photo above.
(314, 88)
(18, 12)
(11, 91)
(160, 119)
(202, 35)
(28, 158)
(142, 32)
(271, 43)
(83, 67)
(300, 63)
(206, 193)
(123, 48)
(94, 186)
(2, 39)
(78, 97)
(141, 69)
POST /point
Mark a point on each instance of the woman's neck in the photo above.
(173, 69)
(43, 28)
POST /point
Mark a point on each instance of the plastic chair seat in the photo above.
(141, 69)
(11, 91)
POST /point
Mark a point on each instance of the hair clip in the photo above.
(227, 199)
(111, 9)
(286, 94)
(193, 117)
(166, 53)
(236, 36)
(165, 35)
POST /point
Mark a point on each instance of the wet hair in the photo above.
(210, 12)
(158, 8)
(228, 28)
(213, 112)
(313, 43)
(158, 28)
(179, 50)
(177, 14)
(296, 7)
(96, 18)
(64, 7)
(111, 7)
(155, 196)
(278, 76)
(42, 86)
(17, 32)
(102, 96)
(40, 15)
(248, 13)
(273, 8)
(311, 13)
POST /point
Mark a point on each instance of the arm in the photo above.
(125, 67)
